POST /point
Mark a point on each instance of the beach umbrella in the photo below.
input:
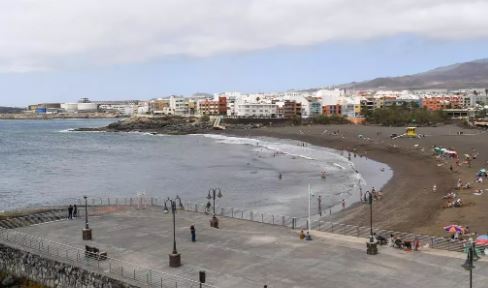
(454, 228)
(482, 240)
(483, 170)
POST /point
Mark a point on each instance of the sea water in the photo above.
(44, 162)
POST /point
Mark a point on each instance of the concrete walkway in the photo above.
(248, 254)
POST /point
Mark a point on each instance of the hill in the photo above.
(473, 74)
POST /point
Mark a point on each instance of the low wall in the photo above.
(52, 273)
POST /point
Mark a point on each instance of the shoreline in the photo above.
(360, 165)
(408, 203)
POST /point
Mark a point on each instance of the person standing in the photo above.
(70, 212)
(193, 233)
(343, 204)
(75, 211)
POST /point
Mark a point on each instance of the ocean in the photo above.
(43, 162)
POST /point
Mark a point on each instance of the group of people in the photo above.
(377, 195)
(461, 235)
(457, 203)
(397, 242)
(72, 211)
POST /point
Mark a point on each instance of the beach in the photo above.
(410, 203)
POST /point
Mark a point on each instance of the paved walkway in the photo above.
(247, 254)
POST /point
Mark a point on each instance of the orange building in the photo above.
(223, 105)
(208, 107)
(330, 110)
(435, 103)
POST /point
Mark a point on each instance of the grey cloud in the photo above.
(49, 34)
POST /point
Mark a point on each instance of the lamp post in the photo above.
(174, 257)
(468, 264)
(214, 193)
(371, 245)
(87, 231)
(309, 223)
(319, 199)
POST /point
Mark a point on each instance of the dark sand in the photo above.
(409, 204)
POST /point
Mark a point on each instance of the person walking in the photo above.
(75, 211)
(70, 212)
(193, 233)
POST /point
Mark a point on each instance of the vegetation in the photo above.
(24, 283)
(404, 115)
(205, 118)
(333, 119)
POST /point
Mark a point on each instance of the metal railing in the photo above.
(110, 267)
(242, 214)
(435, 242)
(99, 206)
(364, 232)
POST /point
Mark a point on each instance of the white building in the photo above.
(256, 110)
(179, 105)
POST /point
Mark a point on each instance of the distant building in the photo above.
(179, 105)
(315, 108)
(436, 103)
(125, 107)
(256, 110)
(208, 107)
(290, 109)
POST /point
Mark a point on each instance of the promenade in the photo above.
(249, 254)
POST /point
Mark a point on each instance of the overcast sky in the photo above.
(114, 49)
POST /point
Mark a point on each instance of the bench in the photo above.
(94, 253)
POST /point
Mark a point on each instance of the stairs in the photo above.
(33, 219)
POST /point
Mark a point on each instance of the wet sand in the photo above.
(409, 204)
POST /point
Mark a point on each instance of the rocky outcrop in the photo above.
(171, 125)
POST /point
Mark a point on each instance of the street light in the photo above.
(371, 245)
(174, 257)
(319, 199)
(214, 193)
(309, 222)
(86, 232)
(468, 264)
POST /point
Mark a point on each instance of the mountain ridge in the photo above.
(472, 74)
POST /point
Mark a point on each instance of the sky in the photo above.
(60, 51)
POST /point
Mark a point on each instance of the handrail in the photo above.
(110, 267)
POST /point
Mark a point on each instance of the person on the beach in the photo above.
(75, 211)
(416, 244)
(392, 240)
(193, 233)
(302, 235)
(343, 204)
(70, 212)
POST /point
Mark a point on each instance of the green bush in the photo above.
(333, 119)
(205, 118)
(401, 116)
